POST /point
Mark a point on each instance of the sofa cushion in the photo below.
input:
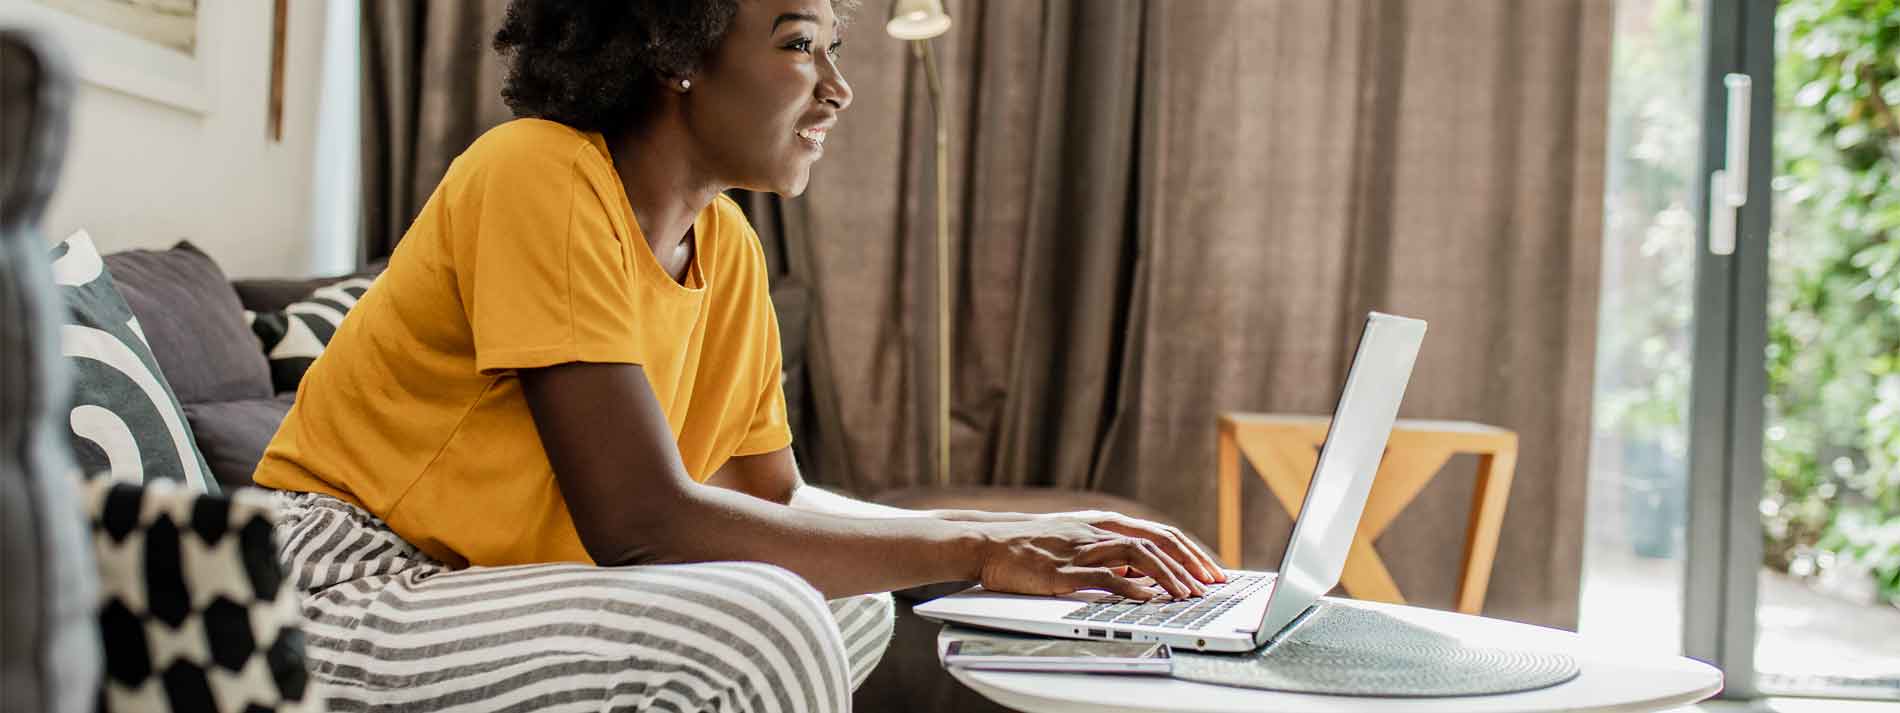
(294, 336)
(193, 321)
(124, 419)
(233, 434)
(195, 613)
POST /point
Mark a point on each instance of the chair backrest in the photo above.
(49, 643)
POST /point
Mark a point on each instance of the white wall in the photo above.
(143, 174)
(336, 200)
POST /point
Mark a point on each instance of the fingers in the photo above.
(1176, 543)
(1105, 579)
(1182, 554)
(1144, 556)
(1175, 567)
(1209, 570)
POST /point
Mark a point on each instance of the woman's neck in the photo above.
(665, 183)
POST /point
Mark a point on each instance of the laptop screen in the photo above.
(1355, 443)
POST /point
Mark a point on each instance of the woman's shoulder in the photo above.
(526, 144)
(731, 218)
(738, 244)
(531, 134)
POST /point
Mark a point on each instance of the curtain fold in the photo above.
(430, 85)
(1077, 255)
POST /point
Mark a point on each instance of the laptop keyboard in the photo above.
(1184, 614)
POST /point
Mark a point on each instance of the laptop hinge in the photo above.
(1292, 626)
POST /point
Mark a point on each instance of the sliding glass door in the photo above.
(1827, 604)
(1639, 477)
(1745, 487)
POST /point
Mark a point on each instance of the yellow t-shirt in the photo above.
(526, 256)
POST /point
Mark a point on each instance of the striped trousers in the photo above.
(390, 629)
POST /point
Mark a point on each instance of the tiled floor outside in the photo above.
(1803, 632)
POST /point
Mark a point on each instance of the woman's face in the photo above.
(760, 106)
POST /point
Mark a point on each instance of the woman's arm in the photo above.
(774, 476)
(619, 471)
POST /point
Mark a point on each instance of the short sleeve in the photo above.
(769, 429)
(550, 280)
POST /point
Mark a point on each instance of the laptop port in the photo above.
(1099, 633)
(1124, 635)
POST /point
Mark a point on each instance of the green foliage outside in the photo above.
(1832, 450)
(1832, 496)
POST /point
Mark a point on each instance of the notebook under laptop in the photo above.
(1252, 608)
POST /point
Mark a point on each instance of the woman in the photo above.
(497, 475)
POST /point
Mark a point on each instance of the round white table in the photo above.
(1613, 678)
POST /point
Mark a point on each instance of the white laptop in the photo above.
(1252, 609)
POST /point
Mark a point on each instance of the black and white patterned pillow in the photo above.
(125, 419)
(296, 334)
(195, 611)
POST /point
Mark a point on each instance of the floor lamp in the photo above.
(918, 21)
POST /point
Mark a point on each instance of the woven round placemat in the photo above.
(1344, 650)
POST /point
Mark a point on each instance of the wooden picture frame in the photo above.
(115, 59)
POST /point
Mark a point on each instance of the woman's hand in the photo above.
(1172, 541)
(1054, 555)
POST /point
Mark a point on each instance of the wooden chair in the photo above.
(1284, 448)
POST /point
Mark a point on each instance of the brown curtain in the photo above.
(431, 85)
(1166, 210)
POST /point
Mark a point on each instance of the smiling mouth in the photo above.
(813, 136)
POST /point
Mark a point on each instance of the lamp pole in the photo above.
(918, 21)
(943, 261)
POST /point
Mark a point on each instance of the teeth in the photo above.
(816, 136)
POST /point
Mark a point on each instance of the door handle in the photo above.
(1728, 186)
(1737, 160)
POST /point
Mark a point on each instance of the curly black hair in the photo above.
(595, 64)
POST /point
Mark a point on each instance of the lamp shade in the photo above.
(917, 19)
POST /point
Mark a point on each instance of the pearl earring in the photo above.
(686, 85)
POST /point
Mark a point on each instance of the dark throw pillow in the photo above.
(193, 320)
(125, 419)
(296, 334)
(195, 612)
(233, 434)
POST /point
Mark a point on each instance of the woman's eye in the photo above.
(802, 44)
(835, 50)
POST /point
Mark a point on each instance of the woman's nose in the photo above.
(832, 88)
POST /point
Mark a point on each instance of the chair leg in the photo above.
(1487, 518)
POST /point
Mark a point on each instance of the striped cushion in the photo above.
(294, 336)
